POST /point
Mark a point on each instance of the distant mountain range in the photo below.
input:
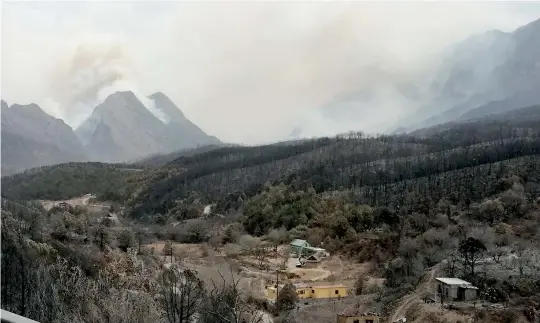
(488, 73)
(120, 129)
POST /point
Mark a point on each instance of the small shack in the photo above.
(456, 289)
(319, 252)
(299, 246)
(312, 261)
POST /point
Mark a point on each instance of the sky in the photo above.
(246, 72)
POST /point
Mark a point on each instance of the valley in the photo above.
(393, 212)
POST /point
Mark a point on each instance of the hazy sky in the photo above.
(246, 72)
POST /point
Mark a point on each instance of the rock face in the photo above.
(120, 129)
(32, 138)
(181, 132)
(123, 129)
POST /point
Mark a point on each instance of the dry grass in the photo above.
(325, 312)
(424, 313)
(213, 264)
(180, 250)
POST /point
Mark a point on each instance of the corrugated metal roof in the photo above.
(14, 318)
(299, 243)
(456, 282)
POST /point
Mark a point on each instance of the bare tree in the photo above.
(260, 253)
(248, 243)
(168, 249)
(226, 304)
(182, 293)
(471, 251)
(496, 253)
(452, 260)
(276, 237)
(285, 257)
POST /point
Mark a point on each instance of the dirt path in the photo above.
(408, 300)
(77, 201)
(86, 198)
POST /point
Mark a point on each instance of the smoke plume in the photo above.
(246, 72)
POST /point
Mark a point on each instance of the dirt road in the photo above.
(410, 299)
(82, 201)
(311, 274)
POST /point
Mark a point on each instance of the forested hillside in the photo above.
(349, 162)
(402, 204)
(354, 163)
(64, 181)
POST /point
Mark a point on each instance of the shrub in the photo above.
(168, 248)
(360, 284)
(126, 240)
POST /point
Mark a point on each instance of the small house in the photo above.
(456, 289)
(299, 246)
(322, 291)
(319, 252)
(355, 315)
(304, 291)
(312, 261)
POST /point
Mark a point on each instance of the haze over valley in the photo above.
(326, 75)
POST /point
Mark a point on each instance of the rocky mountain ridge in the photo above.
(120, 129)
(485, 74)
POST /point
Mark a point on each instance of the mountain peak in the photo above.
(30, 110)
(31, 137)
(531, 25)
(167, 106)
(530, 30)
(4, 105)
(158, 95)
(120, 95)
(120, 103)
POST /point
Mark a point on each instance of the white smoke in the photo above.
(87, 72)
(151, 106)
(244, 71)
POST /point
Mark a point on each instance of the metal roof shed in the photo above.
(456, 282)
(299, 246)
(456, 289)
(299, 243)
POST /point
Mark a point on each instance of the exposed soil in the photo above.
(410, 299)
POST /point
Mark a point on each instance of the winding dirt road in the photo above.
(410, 299)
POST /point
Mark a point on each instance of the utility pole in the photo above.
(277, 290)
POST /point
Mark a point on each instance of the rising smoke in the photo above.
(244, 71)
(88, 72)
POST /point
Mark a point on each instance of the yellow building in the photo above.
(304, 291)
(354, 315)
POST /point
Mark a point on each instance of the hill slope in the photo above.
(369, 166)
(64, 181)
(32, 138)
(490, 73)
(344, 163)
(122, 128)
